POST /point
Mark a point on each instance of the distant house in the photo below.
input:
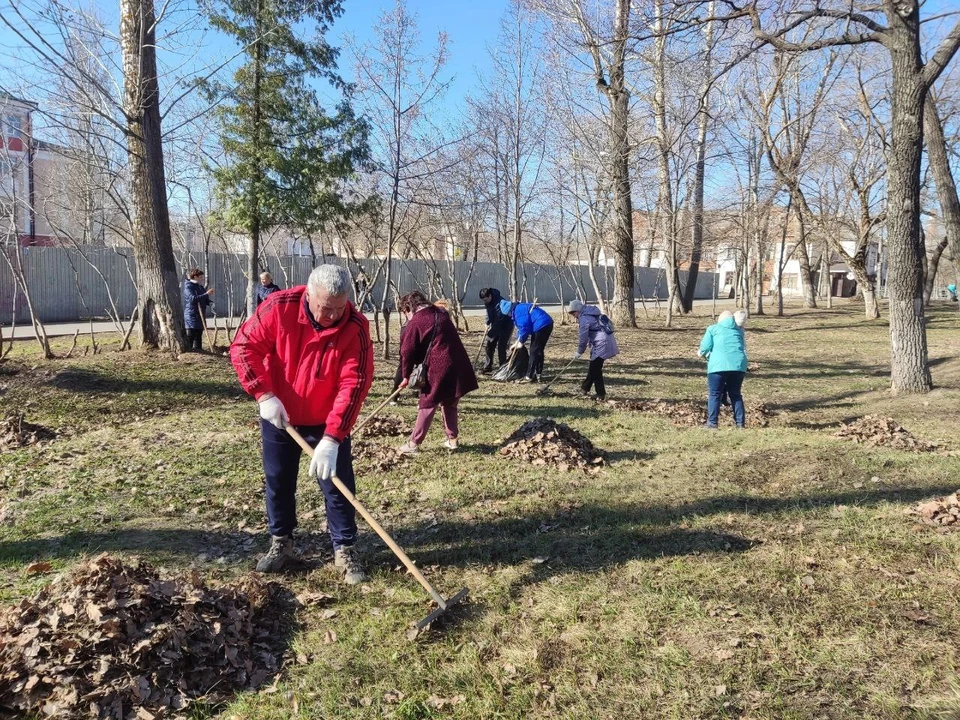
(31, 174)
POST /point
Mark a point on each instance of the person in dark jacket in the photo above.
(196, 298)
(596, 331)
(266, 287)
(499, 329)
(430, 338)
(534, 323)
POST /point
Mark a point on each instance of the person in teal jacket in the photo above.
(725, 348)
(534, 323)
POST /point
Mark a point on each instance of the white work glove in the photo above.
(323, 466)
(577, 355)
(273, 411)
(517, 345)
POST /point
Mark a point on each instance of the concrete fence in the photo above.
(68, 285)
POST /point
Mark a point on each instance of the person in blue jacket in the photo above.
(594, 330)
(534, 323)
(952, 289)
(499, 328)
(196, 298)
(725, 348)
(266, 287)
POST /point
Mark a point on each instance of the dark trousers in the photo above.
(498, 337)
(281, 465)
(195, 339)
(718, 383)
(538, 343)
(595, 378)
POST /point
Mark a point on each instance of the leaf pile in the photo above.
(543, 441)
(876, 431)
(385, 427)
(685, 413)
(759, 415)
(111, 638)
(15, 432)
(681, 413)
(939, 512)
(376, 457)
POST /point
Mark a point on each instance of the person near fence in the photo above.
(535, 323)
(499, 329)
(431, 341)
(952, 289)
(361, 291)
(307, 358)
(196, 298)
(266, 287)
(724, 346)
(596, 331)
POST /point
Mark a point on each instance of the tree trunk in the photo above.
(703, 123)
(624, 312)
(803, 256)
(161, 319)
(868, 288)
(910, 372)
(930, 268)
(939, 163)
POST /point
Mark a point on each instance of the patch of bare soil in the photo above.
(543, 441)
(941, 513)
(685, 413)
(874, 431)
(112, 640)
(16, 432)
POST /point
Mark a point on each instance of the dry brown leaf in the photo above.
(38, 568)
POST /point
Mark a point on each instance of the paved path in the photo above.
(59, 329)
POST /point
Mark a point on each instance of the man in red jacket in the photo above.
(307, 358)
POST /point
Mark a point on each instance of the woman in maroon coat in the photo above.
(429, 337)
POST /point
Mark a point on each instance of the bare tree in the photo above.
(896, 25)
(398, 90)
(606, 40)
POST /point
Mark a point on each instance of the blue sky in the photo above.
(470, 26)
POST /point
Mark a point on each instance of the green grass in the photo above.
(761, 574)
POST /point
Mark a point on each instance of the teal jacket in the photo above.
(725, 346)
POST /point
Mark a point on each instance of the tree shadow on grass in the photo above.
(87, 380)
(587, 537)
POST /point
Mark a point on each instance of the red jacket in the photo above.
(321, 376)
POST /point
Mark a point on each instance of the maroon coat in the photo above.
(449, 370)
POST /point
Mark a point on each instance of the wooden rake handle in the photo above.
(379, 407)
(557, 376)
(371, 521)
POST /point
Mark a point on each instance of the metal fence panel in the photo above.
(68, 285)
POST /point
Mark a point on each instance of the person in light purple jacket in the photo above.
(595, 330)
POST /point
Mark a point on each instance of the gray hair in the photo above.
(334, 279)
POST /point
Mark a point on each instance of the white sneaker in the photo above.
(408, 449)
(451, 444)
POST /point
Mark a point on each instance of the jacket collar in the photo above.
(306, 317)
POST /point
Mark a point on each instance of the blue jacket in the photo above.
(264, 290)
(528, 319)
(195, 301)
(591, 332)
(726, 346)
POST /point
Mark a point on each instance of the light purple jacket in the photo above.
(591, 333)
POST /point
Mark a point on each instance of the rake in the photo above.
(376, 410)
(443, 604)
(545, 388)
